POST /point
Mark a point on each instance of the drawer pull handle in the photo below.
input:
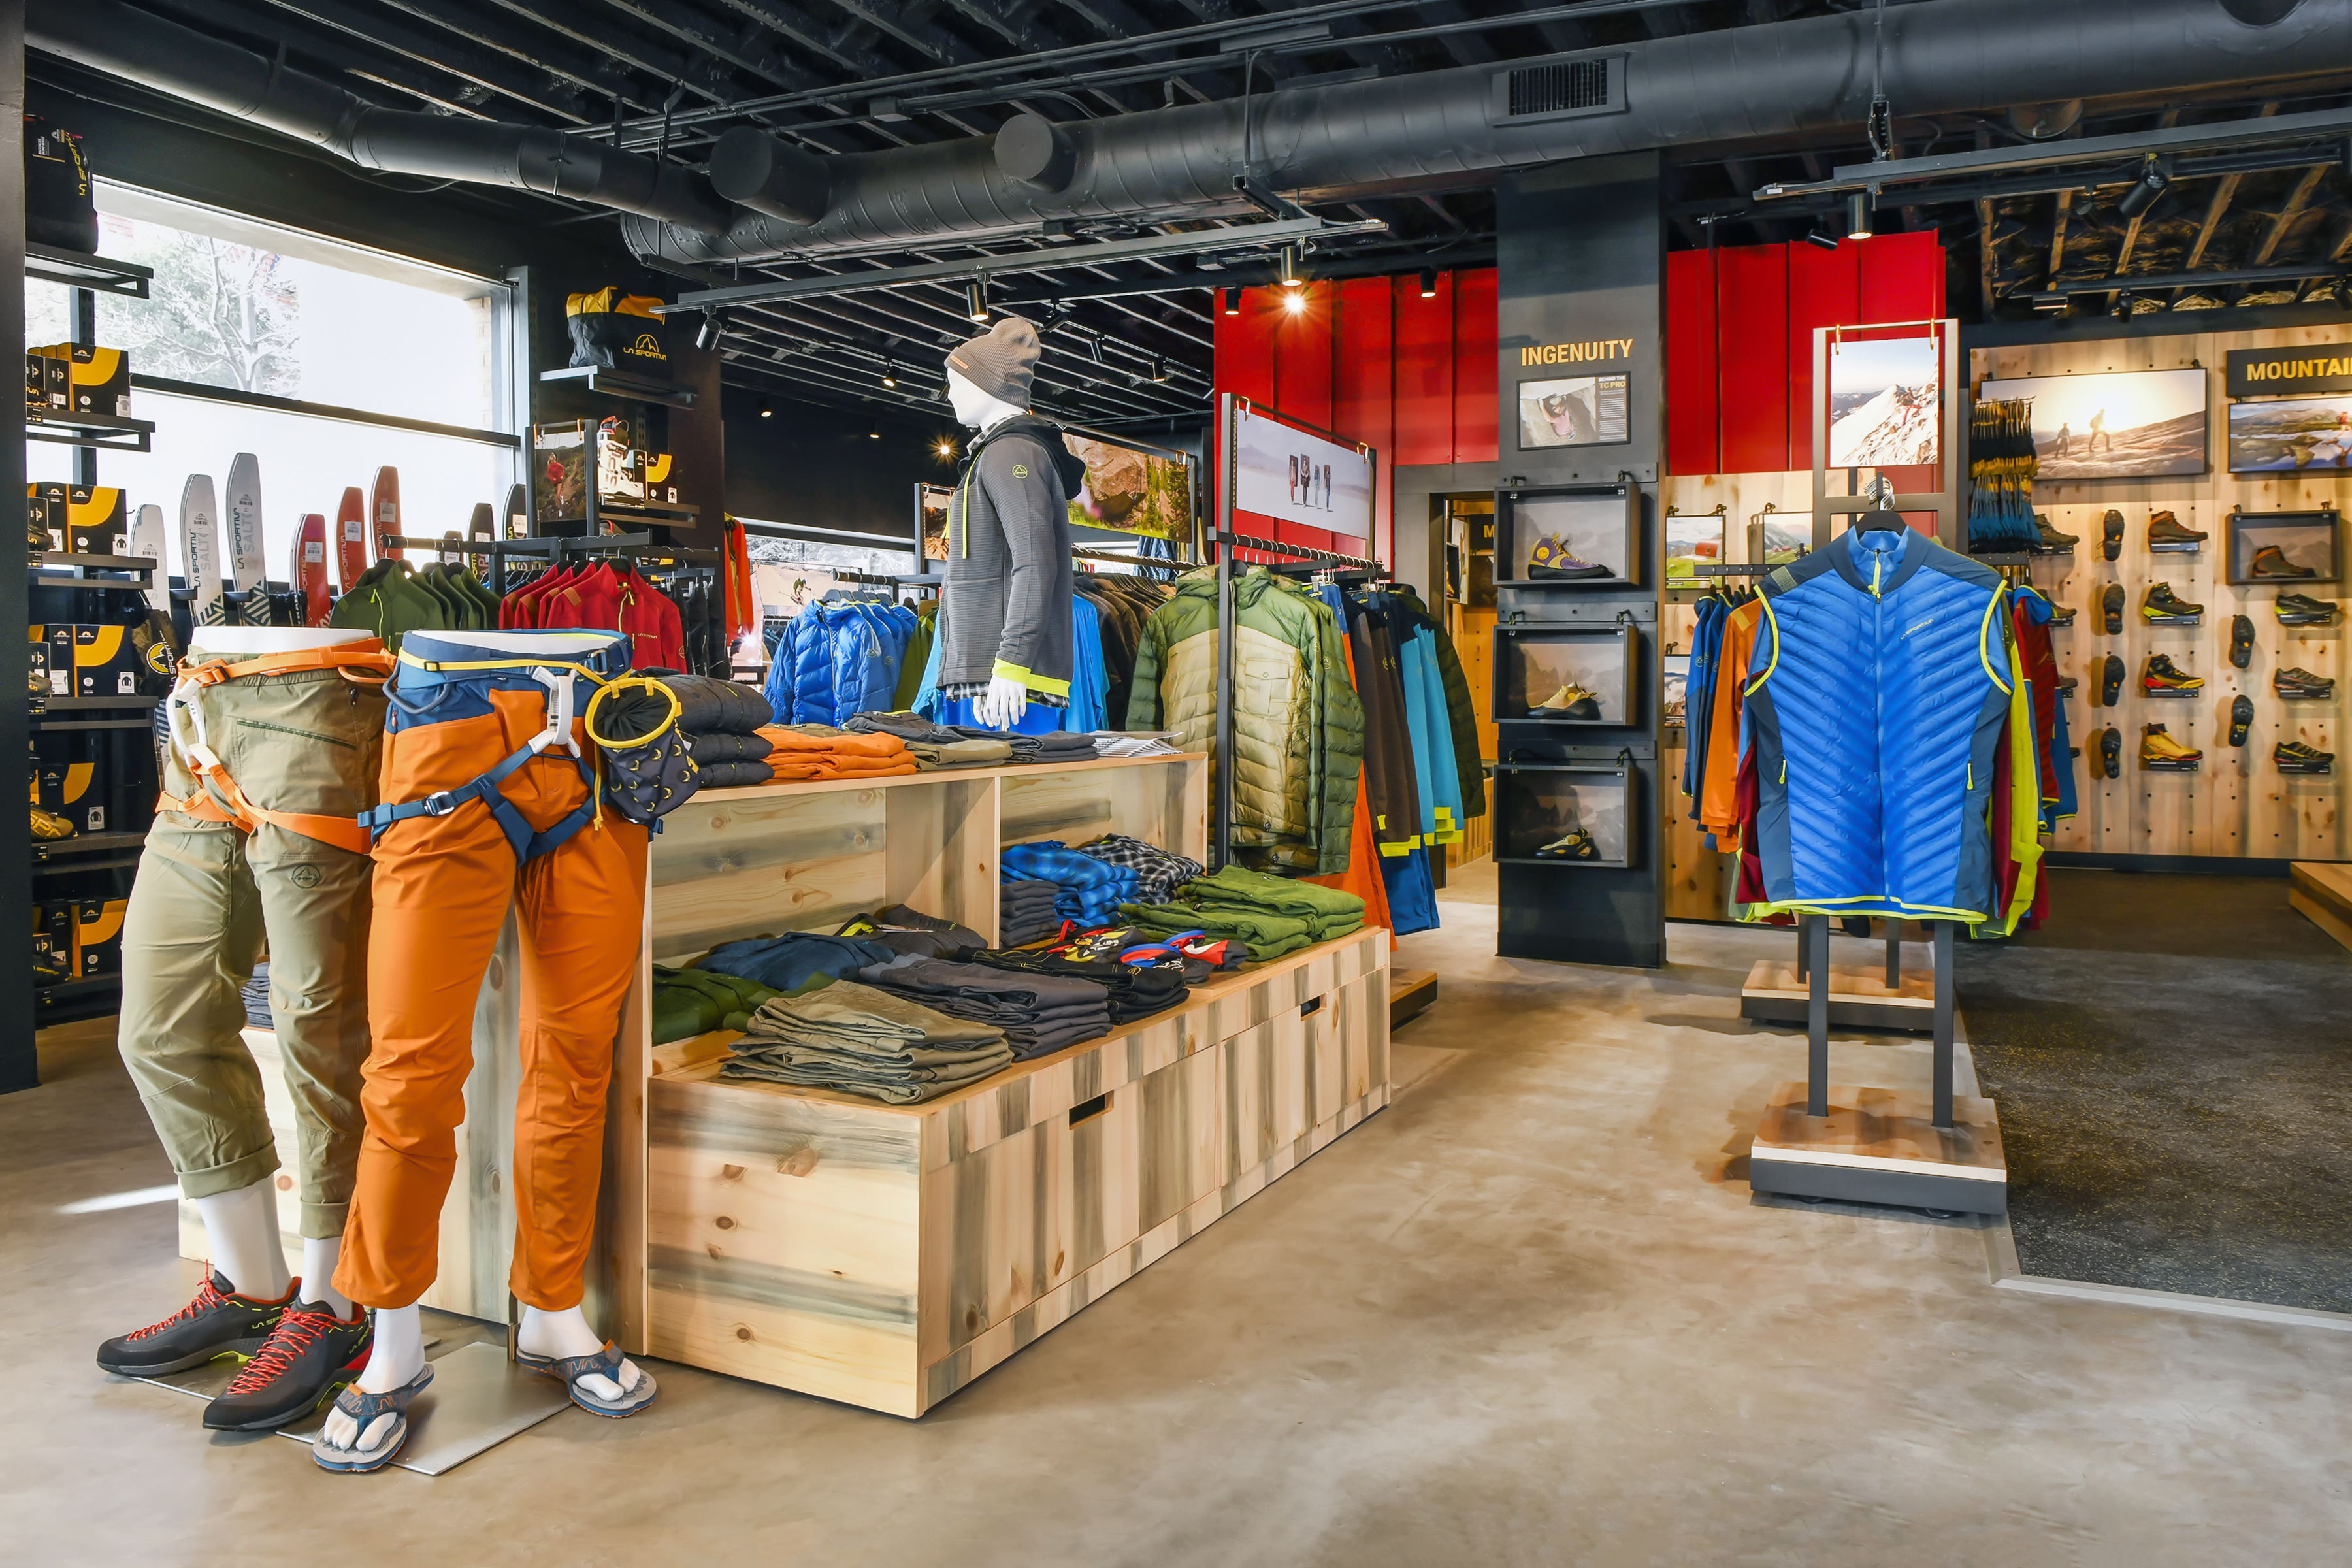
(1311, 1007)
(1086, 1111)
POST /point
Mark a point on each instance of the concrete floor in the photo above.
(1531, 1314)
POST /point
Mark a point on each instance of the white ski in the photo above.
(147, 538)
(244, 523)
(200, 549)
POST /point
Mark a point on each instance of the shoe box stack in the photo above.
(77, 939)
(64, 379)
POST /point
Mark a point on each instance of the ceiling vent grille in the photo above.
(1559, 90)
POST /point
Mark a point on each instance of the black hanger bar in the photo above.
(1296, 552)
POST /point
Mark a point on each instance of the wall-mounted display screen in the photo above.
(1131, 488)
(932, 520)
(1573, 411)
(2115, 425)
(2292, 436)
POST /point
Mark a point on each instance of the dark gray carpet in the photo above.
(2172, 1060)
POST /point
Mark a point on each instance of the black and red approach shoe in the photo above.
(218, 1322)
(310, 1355)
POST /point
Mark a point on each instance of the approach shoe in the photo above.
(2164, 529)
(2293, 682)
(2242, 719)
(1577, 846)
(2111, 680)
(2294, 757)
(311, 1353)
(2160, 674)
(2049, 541)
(2111, 752)
(2303, 610)
(2067, 686)
(2158, 750)
(1552, 559)
(1570, 701)
(2241, 640)
(2111, 608)
(2111, 531)
(2065, 617)
(2270, 560)
(2163, 603)
(218, 1322)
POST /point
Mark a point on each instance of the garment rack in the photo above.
(556, 548)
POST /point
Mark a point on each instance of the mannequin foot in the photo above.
(395, 1360)
(558, 1342)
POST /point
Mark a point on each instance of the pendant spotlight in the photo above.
(708, 330)
(889, 373)
(2153, 176)
(874, 433)
(1290, 278)
(975, 299)
(1815, 237)
(1159, 367)
(1429, 283)
(1232, 301)
(1857, 216)
(2124, 305)
(767, 410)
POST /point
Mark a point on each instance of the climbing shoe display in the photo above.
(2165, 532)
(2242, 719)
(2111, 680)
(2162, 606)
(2270, 560)
(2294, 757)
(218, 1322)
(1551, 559)
(1577, 846)
(2111, 534)
(2111, 608)
(1570, 701)
(2241, 640)
(2111, 752)
(2160, 674)
(2159, 753)
(2303, 610)
(48, 824)
(310, 1355)
(2048, 541)
(2302, 684)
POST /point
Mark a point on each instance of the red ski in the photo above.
(309, 576)
(383, 513)
(350, 539)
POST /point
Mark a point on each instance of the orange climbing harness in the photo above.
(218, 799)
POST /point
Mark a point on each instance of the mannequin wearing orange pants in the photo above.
(440, 887)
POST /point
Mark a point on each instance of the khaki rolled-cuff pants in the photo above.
(206, 898)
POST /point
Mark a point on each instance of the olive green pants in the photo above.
(208, 897)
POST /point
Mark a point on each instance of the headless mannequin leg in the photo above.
(241, 1228)
(395, 1357)
(564, 1334)
(320, 1254)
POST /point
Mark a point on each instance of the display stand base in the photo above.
(1411, 993)
(1858, 996)
(1879, 1146)
(478, 1400)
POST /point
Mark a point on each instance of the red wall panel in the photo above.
(1902, 277)
(1302, 352)
(1424, 370)
(1754, 375)
(1694, 444)
(1474, 367)
(1244, 346)
(1361, 405)
(1824, 290)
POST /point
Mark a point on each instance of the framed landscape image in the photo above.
(1691, 540)
(2115, 425)
(2291, 436)
(1885, 402)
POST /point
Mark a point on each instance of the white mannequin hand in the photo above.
(1003, 704)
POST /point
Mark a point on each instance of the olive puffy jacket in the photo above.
(1299, 730)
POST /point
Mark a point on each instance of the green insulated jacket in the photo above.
(1298, 731)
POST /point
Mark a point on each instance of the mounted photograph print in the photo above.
(2118, 425)
(1691, 540)
(2291, 436)
(1776, 538)
(1573, 411)
(1885, 402)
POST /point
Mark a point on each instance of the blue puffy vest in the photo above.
(1875, 698)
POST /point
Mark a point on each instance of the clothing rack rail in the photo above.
(556, 548)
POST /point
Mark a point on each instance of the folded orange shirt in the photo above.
(804, 766)
(784, 738)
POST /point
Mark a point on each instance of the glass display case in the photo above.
(1587, 536)
(1564, 813)
(1566, 673)
(2286, 548)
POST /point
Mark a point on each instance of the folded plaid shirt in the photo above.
(1157, 873)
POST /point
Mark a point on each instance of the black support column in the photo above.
(19, 1068)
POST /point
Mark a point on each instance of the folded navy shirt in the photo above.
(790, 961)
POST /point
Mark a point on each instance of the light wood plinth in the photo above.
(1410, 994)
(2322, 894)
(885, 1255)
(1877, 1145)
(1859, 998)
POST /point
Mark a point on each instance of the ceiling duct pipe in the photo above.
(1460, 126)
(141, 46)
(753, 169)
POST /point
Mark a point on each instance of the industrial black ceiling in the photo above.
(1129, 343)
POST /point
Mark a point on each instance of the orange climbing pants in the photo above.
(442, 886)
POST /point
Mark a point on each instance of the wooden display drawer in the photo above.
(886, 1256)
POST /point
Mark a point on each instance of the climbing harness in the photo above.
(217, 797)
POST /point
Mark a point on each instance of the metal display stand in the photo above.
(1859, 998)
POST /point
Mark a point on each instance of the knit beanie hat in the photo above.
(1000, 362)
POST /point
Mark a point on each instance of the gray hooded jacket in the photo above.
(1004, 608)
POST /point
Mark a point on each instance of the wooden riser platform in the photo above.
(1878, 1146)
(1859, 998)
(2323, 892)
(1412, 991)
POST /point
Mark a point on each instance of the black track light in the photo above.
(1429, 283)
(2124, 305)
(1826, 241)
(889, 373)
(1290, 274)
(2153, 176)
(874, 433)
(1232, 301)
(1857, 216)
(1159, 367)
(708, 330)
(767, 410)
(975, 299)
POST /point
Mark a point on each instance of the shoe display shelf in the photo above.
(2169, 765)
(1540, 805)
(1538, 661)
(2282, 549)
(1590, 525)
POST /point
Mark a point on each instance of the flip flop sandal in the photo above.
(2113, 537)
(2242, 641)
(605, 1364)
(2111, 753)
(2111, 681)
(2111, 606)
(364, 1408)
(2242, 718)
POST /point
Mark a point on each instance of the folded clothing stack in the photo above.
(911, 933)
(1157, 873)
(821, 752)
(935, 745)
(1135, 990)
(1038, 1013)
(1024, 909)
(1091, 890)
(1121, 743)
(1275, 915)
(690, 1002)
(789, 961)
(861, 1040)
(1052, 746)
(720, 719)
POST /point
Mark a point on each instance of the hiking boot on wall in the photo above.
(2270, 560)
(2162, 752)
(2160, 674)
(2111, 606)
(2111, 680)
(2241, 640)
(2242, 719)
(2052, 541)
(2163, 604)
(2111, 752)
(2111, 531)
(2165, 531)
(2303, 610)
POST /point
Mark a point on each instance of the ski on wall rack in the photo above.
(199, 546)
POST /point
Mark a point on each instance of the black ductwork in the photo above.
(1450, 128)
(143, 47)
(753, 169)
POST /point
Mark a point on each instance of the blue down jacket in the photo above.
(837, 660)
(1876, 696)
